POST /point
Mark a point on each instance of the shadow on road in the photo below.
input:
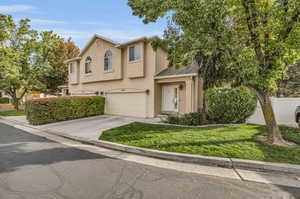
(18, 149)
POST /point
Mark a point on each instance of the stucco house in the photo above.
(134, 78)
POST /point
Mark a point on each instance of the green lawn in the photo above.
(12, 113)
(224, 141)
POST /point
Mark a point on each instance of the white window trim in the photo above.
(140, 51)
(111, 59)
(90, 68)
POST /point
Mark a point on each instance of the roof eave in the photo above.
(131, 42)
(72, 59)
(175, 76)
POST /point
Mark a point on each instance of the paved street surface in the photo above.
(33, 167)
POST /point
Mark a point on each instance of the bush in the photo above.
(189, 119)
(230, 105)
(49, 110)
(4, 100)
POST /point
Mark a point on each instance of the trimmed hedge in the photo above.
(4, 100)
(49, 110)
(188, 119)
(230, 105)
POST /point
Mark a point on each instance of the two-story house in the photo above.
(134, 78)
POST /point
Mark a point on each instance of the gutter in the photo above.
(175, 76)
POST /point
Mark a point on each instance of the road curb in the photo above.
(181, 157)
(197, 159)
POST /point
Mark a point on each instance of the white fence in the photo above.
(284, 109)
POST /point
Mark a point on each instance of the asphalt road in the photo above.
(33, 167)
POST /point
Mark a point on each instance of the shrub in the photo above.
(4, 100)
(49, 110)
(230, 105)
(189, 119)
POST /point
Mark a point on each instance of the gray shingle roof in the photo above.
(178, 71)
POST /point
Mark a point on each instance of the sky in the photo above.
(81, 19)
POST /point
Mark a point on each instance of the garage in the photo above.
(126, 103)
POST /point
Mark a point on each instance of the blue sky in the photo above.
(81, 19)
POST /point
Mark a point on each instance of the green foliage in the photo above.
(255, 40)
(12, 113)
(24, 57)
(4, 100)
(58, 73)
(289, 85)
(181, 52)
(189, 119)
(222, 141)
(49, 110)
(227, 105)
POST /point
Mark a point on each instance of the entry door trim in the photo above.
(163, 100)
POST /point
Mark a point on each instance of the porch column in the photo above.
(189, 96)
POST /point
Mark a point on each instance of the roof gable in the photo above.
(173, 71)
(92, 40)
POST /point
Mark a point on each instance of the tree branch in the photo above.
(252, 25)
(293, 20)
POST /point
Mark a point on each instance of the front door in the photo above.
(170, 98)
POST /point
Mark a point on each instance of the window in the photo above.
(71, 68)
(134, 53)
(88, 65)
(108, 61)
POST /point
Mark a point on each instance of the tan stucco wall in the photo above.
(92, 84)
(126, 77)
(162, 61)
(136, 69)
(96, 51)
(74, 76)
(182, 97)
(190, 99)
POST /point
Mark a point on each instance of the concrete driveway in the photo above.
(90, 128)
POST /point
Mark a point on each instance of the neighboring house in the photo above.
(64, 89)
(134, 78)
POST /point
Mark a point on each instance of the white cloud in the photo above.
(75, 34)
(82, 37)
(16, 8)
(126, 35)
(45, 22)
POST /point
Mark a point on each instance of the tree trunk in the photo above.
(15, 102)
(204, 110)
(15, 99)
(274, 134)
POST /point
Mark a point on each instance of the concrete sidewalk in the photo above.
(88, 128)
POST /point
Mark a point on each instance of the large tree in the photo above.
(257, 39)
(289, 84)
(58, 73)
(24, 54)
(181, 50)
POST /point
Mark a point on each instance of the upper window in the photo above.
(134, 53)
(108, 60)
(88, 65)
(71, 68)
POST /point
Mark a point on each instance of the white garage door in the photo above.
(128, 104)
